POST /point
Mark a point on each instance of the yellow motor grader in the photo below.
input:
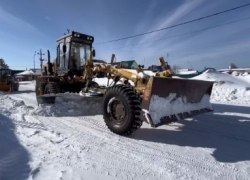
(7, 81)
(131, 98)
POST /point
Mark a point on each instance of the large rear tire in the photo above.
(122, 109)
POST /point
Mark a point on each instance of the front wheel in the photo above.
(46, 93)
(122, 109)
(52, 88)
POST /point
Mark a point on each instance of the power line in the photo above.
(176, 25)
(187, 33)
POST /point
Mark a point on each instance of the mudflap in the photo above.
(168, 99)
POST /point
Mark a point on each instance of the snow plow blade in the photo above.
(167, 100)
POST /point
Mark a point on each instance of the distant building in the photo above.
(14, 72)
(155, 68)
(130, 64)
(28, 75)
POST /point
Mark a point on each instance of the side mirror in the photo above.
(93, 53)
(64, 48)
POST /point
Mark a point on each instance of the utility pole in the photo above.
(40, 53)
(34, 61)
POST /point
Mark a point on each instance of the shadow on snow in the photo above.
(227, 133)
(14, 158)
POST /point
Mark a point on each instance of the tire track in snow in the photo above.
(38, 126)
(139, 154)
(93, 125)
(147, 153)
(112, 163)
(196, 162)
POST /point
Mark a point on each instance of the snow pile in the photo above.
(210, 75)
(104, 81)
(27, 72)
(71, 105)
(15, 105)
(245, 77)
(229, 93)
(185, 71)
(227, 88)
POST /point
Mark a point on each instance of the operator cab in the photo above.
(73, 50)
(4, 73)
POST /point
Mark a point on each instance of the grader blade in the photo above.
(167, 99)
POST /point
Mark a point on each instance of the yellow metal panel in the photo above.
(4, 86)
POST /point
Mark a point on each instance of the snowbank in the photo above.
(228, 89)
(27, 72)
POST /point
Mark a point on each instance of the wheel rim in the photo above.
(116, 110)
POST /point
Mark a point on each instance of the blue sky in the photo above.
(216, 42)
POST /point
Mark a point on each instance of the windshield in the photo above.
(4, 72)
(78, 55)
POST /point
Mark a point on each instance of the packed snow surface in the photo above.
(69, 140)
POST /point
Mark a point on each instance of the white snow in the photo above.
(69, 140)
(227, 88)
(27, 72)
(174, 104)
(185, 71)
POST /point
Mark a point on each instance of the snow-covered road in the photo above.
(63, 142)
